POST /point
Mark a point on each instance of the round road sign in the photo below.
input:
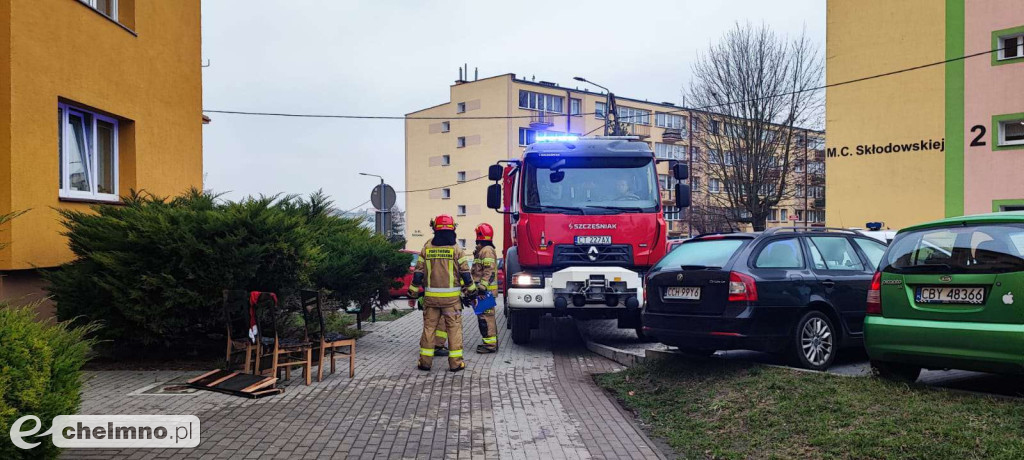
(385, 200)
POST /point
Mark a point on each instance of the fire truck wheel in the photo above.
(520, 327)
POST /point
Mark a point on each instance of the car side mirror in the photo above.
(680, 171)
(495, 172)
(494, 196)
(682, 195)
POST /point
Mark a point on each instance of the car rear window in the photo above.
(977, 249)
(708, 253)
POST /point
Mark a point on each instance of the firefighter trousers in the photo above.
(451, 317)
(488, 329)
(441, 336)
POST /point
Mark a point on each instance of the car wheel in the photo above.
(521, 327)
(895, 372)
(815, 341)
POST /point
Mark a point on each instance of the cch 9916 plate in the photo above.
(592, 240)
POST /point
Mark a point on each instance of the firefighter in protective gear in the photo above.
(441, 274)
(485, 269)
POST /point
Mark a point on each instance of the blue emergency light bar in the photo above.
(556, 138)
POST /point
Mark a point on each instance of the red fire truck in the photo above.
(583, 223)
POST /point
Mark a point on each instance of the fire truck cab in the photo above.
(583, 223)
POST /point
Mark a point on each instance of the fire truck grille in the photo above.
(616, 254)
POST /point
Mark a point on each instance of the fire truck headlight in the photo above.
(526, 280)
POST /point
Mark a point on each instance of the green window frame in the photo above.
(997, 44)
(996, 131)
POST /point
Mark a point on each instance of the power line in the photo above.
(443, 186)
(506, 117)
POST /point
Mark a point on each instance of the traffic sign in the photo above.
(385, 200)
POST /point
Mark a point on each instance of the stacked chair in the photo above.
(322, 339)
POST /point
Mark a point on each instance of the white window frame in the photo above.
(671, 213)
(541, 102)
(600, 110)
(446, 126)
(575, 106)
(773, 215)
(460, 210)
(446, 193)
(1002, 132)
(92, 4)
(670, 120)
(462, 243)
(460, 142)
(446, 160)
(783, 214)
(460, 107)
(634, 116)
(1002, 51)
(65, 191)
(714, 186)
(460, 176)
(669, 151)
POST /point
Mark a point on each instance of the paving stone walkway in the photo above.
(535, 401)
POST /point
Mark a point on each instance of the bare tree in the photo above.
(758, 89)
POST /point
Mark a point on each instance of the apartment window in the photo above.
(695, 184)
(87, 147)
(460, 176)
(767, 189)
(671, 213)
(460, 107)
(1011, 132)
(446, 126)
(462, 210)
(800, 215)
(714, 185)
(669, 151)
(713, 157)
(783, 215)
(800, 191)
(773, 215)
(816, 167)
(668, 120)
(600, 109)
(1011, 46)
(713, 126)
(446, 193)
(462, 243)
(107, 7)
(460, 142)
(666, 182)
(635, 116)
(446, 160)
(798, 166)
(816, 192)
(538, 101)
(575, 106)
(528, 136)
(816, 216)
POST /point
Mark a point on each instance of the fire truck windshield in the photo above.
(590, 185)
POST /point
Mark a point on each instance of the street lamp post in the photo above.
(609, 106)
(382, 213)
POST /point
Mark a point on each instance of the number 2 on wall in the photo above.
(977, 142)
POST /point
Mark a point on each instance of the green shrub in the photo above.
(153, 269)
(40, 373)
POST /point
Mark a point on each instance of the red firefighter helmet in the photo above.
(484, 232)
(442, 222)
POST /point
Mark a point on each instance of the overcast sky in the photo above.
(389, 57)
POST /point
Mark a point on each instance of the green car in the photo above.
(949, 294)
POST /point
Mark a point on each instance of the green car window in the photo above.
(977, 249)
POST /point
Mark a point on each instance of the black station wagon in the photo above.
(798, 291)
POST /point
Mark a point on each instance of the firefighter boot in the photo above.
(452, 317)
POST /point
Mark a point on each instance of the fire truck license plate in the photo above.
(591, 240)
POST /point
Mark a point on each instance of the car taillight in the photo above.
(875, 295)
(742, 288)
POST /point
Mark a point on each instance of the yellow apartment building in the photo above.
(97, 98)
(939, 141)
(449, 145)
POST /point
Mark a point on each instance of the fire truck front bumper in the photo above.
(577, 287)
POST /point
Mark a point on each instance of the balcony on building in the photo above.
(633, 129)
(541, 120)
(819, 202)
(672, 135)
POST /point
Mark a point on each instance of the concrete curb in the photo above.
(622, 357)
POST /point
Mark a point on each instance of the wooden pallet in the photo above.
(236, 383)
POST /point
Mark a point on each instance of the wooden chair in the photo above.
(237, 319)
(322, 339)
(282, 352)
